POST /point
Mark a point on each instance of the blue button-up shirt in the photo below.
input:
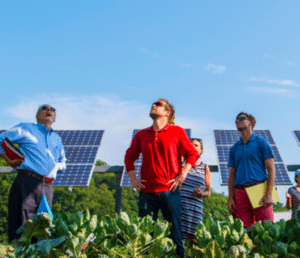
(44, 151)
(248, 160)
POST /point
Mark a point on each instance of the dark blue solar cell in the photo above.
(84, 137)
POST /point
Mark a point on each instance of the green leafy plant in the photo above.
(226, 238)
(126, 236)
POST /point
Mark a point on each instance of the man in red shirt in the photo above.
(162, 146)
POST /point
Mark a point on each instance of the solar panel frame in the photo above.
(223, 142)
(125, 180)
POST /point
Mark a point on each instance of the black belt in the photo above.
(248, 185)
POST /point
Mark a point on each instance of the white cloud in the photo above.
(278, 59)
(273, 81)
(277, 91)
(117, 117)
(155, 56)
(216, 69)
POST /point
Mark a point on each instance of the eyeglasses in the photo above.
(241, 118)
(159, 104)
(48, 108)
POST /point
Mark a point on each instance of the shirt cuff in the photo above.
(2, 151)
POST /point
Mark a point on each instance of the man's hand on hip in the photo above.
(177, 182)
(136, 182)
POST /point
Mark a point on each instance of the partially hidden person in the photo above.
(195, 187)
(293, 196)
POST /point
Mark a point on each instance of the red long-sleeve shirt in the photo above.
(162, 151)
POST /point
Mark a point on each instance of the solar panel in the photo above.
(224, 139)
(125, 181)
(297, 136)
(81, 147)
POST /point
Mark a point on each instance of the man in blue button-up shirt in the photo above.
(44, 156)
(251, 161)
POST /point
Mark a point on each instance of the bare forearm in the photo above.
(132, 175)
(206, 193)
(271, 176)
(288, 203)
(186, 168)
(230, 183)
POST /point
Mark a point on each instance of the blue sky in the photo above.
(102, 64)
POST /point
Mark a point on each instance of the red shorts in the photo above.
(246, 213)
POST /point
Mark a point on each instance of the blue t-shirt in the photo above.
(248, 160)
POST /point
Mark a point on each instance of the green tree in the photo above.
(6, 181)
(101, 163)
(216, 205)
(278, 206)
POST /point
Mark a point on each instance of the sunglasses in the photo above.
(48, 108)
(241, 118)
(160, 104)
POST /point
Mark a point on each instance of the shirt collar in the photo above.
(167, 126)
(252, 138)
(43, 128)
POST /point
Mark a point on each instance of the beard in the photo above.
(153, 116)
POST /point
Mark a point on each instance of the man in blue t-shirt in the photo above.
(251, 161)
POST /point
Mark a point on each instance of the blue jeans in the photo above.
(170, 205)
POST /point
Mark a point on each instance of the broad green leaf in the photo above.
(61, 228)
(162, 246)
(45, 246)
(230, 219)
(75, 242)
(202, 234)
(221, 238)
(209, 223)
(233, 238)
(279, 248)
(93, 223)
(145, 239)
(73, 228)
(213, 250)
(297, 217)
(38, 226)
(108, 224)
(133, 232)
(79, 218)
(161, 229)
(266, 238)
(122, 221)
(147, 224)
(239, 227)
(87, 215)
(259, 228)
(247, 243)
(293, 248)
(282, 224)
